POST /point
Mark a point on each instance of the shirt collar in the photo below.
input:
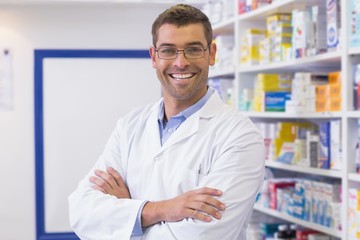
(190, 110)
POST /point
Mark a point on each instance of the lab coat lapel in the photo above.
(191, 125)
(152, 127)
(187, 129)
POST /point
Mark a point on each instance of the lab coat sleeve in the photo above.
(239, 173)
(97, 216)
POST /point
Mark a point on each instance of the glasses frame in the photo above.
(183, 51)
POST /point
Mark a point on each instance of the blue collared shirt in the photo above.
(166, 128)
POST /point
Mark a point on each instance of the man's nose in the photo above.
(180, 60)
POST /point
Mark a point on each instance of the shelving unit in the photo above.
(307, 170)
(324, 62)
(284, 216)
(342, 60)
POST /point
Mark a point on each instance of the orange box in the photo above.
(334, 77)
(321, 105)
(335, 90)
(322, 91)
(335, 104)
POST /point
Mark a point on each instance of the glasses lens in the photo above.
(194, 52)
(167, 52)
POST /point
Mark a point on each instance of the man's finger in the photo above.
(99, 189)
(195, 214)
(207, 210)
(209, 191)
(119, 180)
(100, 183)
(107, 178)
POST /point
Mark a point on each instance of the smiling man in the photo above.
(186, 167)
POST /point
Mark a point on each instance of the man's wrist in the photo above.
(151, 214)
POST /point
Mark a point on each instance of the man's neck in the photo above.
(173, 106)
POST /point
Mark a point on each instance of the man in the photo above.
(186, 167)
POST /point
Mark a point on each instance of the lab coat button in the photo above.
(170, 130)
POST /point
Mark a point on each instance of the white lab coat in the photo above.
(226, 144)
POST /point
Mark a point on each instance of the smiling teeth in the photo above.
(182, 76)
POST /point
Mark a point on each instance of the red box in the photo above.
(274, 184)
(302, 234)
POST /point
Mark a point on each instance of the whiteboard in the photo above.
(82, 100)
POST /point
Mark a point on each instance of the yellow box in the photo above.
(322, 91)
(335, 104)
(322, 105)
(334, 77)
(279, 18)
(269, 77)
(335, 90)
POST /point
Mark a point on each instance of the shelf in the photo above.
(354, 177)
(353, 114)
(307, 170)
(285, 115)
(221, 73)
(284, 216)
(325, 62)
(354, 51)
(284, 6)
(224, 27)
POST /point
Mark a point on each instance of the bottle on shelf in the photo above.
(282, 233)
(292, 232)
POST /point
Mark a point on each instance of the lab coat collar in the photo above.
(191, 125)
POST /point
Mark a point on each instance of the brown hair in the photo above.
(182, 15)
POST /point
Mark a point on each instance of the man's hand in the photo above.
(110, 182)
(198, 204)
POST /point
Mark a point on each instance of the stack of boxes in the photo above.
(317, 32)
(219, 10)
(333, 24)
(353, 213)
(303, 143)
(225, 52)
(328, 96)
(300, 34)
(250, 5)
(315, 93)
(303, 92)
(249, 51)
(246, 98)
(279, 34)
(355, 23)
(292, 145)
(314, 201)
(271, 92)
(301, 23)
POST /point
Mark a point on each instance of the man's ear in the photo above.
(213, 49)
(152, 53)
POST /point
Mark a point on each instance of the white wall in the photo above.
(23, 29)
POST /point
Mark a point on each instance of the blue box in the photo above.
(275, 101)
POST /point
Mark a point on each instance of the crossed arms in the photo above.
(198, 204)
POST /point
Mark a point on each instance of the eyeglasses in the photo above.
(191, 52)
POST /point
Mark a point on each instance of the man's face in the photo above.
(182, 78)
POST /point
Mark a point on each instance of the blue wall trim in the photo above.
(39, 56)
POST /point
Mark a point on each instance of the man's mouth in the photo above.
(181, 76)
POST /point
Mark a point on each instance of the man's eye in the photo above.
(168, 51)
(193, 50)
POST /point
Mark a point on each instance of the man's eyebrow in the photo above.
(197, 43)
(166, 45)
